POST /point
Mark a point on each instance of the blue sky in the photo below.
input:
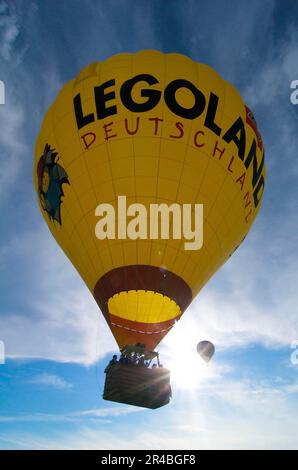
(56, 342)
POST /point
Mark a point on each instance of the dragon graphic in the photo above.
(51, 176)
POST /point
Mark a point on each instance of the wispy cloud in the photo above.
(51, 380)
(111, 412)
(99, 415)
(12, 148)
(12, 114)
(292, 388)
(9, 29)
(259, 414)
(61, 320)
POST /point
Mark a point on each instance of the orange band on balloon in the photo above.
(132, 332)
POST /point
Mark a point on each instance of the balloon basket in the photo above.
(138, 386)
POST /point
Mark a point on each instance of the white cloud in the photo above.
(253, 415)
(12, 148)
(275, 74)
(94, 415)
(232, 43)
(292, 388)
(269, 93)
(109, 411)
(51, 380)
(12, 113)
(59, 320)
(9, 30)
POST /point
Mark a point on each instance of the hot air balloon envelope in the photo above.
(158, 134)
(206, 350)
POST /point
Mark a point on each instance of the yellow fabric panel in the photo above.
(143, 306)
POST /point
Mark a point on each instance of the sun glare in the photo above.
(187, 369)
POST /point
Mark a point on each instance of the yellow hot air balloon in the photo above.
(143, 130)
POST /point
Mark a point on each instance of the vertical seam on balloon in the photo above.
(216, 197)
(178, 250)
(162, 139)
(82, 156)
(160, 143)
(233, 202)
(90, 74)
(205, 219)
(131, 56)
(61, 156)
(238, 190)
(133, 59)
(158, 165)
(226, 175)
(201, 180)
(96, 244)
(113, 186)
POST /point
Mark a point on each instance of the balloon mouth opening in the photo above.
(141, 303)
(143, 306)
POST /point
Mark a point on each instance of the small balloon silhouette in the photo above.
(206, 350)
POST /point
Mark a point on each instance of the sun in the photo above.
(188, 369)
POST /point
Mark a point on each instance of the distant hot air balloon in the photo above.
(206, 350)
(136, 132)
